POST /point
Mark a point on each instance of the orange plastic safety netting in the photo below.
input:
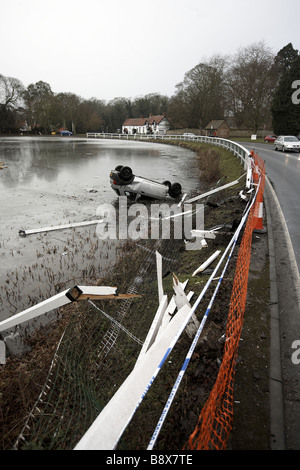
(216, 418)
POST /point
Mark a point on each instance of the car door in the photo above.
(280, 143)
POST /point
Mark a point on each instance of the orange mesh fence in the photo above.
(216, 418)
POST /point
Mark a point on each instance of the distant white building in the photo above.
(150, 125)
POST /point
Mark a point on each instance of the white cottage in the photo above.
(151, 125)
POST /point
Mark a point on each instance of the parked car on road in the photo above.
(270, 138)
(66, 133)
(125, 183)
(189, 135)
(287, 142)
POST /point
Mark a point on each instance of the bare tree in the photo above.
(91, 115)
(250, 85)
(200, 96)
(11, 90)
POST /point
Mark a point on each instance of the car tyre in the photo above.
(175, 190)
(125, 174)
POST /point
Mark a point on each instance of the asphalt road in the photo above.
(283, 171)
(282, 196)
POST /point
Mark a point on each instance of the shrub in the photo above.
(209, 165)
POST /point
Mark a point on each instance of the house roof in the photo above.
(142, 121)
(157, 119)
(134, 122)
(215, 124)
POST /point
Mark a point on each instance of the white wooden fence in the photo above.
(237, 149)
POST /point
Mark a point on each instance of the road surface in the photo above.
(283, 171)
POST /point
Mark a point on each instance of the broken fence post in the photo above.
(155, 326)
(212, 191)
(159, 276)
(181, 300)
(207, 263)
(2, 352)
(204, 233)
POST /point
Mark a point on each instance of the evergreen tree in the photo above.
(285, 109)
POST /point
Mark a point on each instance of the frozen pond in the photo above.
(60, 180)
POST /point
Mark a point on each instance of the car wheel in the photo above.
(175, 189)
(283, 148)
(125, 173)
(118, 168)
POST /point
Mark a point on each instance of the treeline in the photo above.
(254, 89)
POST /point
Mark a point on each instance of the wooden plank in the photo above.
(170, 310)
(207, 262)
(98, 290)
(152, 333)
(204, 233)
(213, 191)
(182, 200)
(108, 297)
(249, 176)
(54, 302)
(181, 300)
(159, 276)
(23, 233)
(2, 352)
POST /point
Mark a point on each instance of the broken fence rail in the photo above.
(24, 233)
(76, 293)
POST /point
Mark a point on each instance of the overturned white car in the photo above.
(125, 183)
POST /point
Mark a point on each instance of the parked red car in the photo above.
(270, 138)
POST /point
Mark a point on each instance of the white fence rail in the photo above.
(237, 149)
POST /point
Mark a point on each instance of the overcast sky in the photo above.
(116, 48)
